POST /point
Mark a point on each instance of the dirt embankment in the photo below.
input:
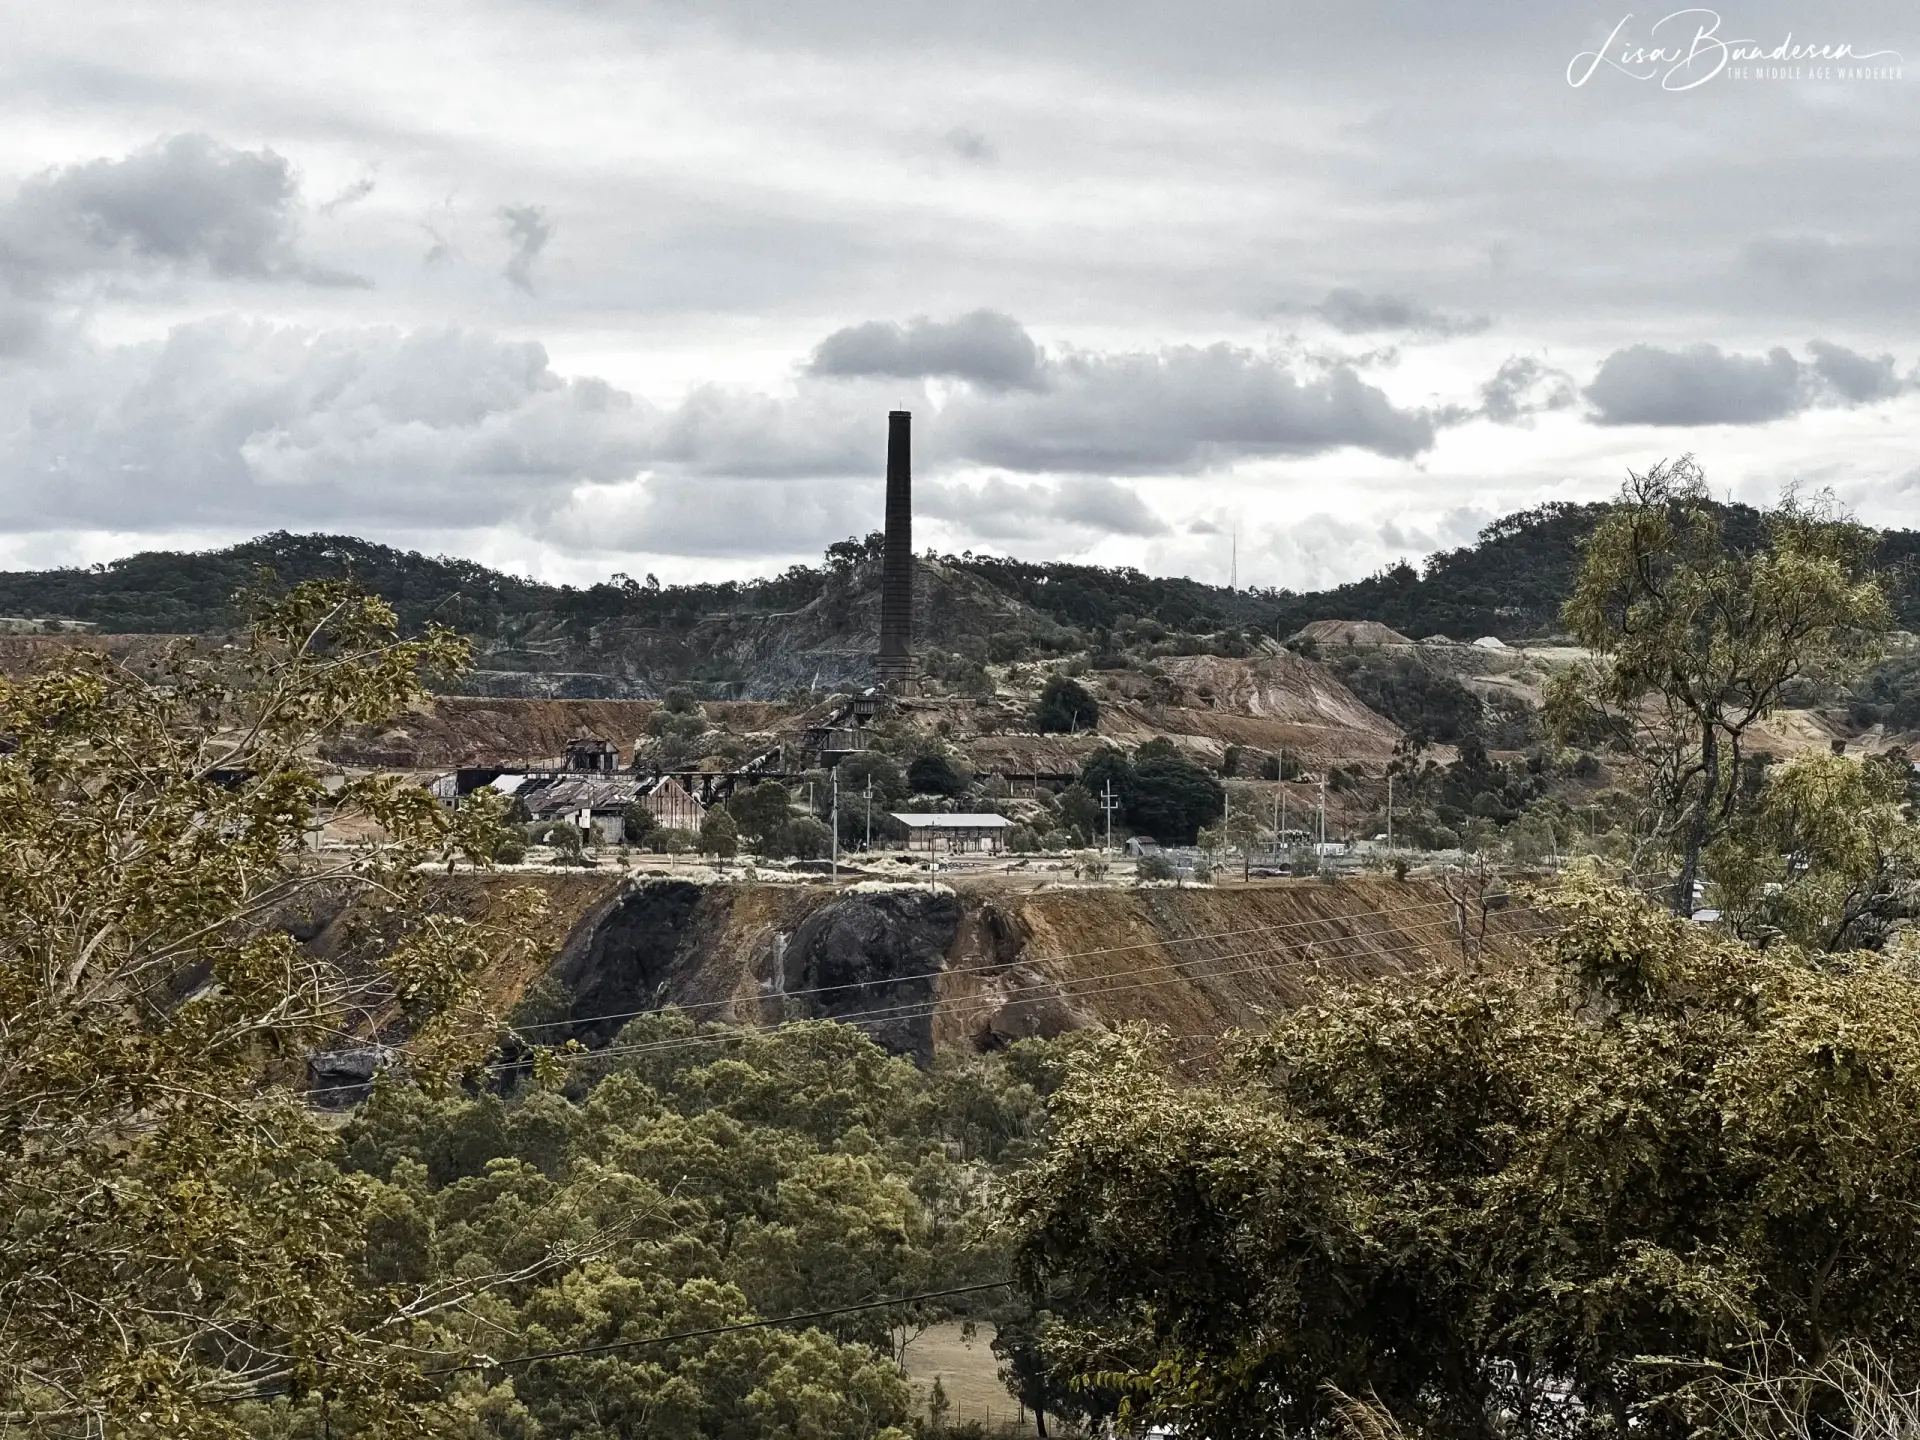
(929, 968)
(1276, 702)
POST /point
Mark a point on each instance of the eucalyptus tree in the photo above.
(175, 1236)
(1698, 639)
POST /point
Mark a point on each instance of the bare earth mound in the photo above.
(1353, 634)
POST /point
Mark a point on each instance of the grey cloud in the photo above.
(188, 203)
(1182, 408)
(722, 431)
(351, 195)
(23, 328)
(1522, 387)
(252, 424)
(234, 423)
(998, 509)
(970, 144)
(1106, 506)
(724, 519)
(1177, 409)
(528, 231)
(1852, 376)
(1703, 385)
(1353, 312)
(984, 347)
(440, 251)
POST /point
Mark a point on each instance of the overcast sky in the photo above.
(583, 286)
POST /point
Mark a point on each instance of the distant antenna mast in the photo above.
(1233, 561)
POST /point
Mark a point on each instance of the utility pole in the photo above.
(836, 824)
(1389, 812)
(1323, 815)
(1109, 802)
(869, 844)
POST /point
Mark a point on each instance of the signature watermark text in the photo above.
(1686, 49)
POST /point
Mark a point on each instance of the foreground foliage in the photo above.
(716, 1175)
(173, 1232)
(1555, 1200)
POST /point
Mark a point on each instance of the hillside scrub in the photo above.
(715, 1175)
(1511, 582)
(1065, 707)
(1562, 1198)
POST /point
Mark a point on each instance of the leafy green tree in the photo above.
(1080, 813)
(1066, 706)
(176, 1237)
(936, 774)
(718, 834)
(1828, 857)
(1020, 1343)
(1698, 639)
(1108, 767)
(1155, 867)
(801, 837)
(760, 810)
(889, 784)
(637, 822)
(1172, 797)
(565, 839)
(1243, 831)
(1543, 1200)
(722, 1176)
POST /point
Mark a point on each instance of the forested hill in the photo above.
(1509, 583)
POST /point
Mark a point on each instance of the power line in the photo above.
(918, 1008)
(692, 1006)
(926, 1009)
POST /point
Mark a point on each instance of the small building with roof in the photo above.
(940, 834)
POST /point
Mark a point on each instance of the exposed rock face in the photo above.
(624, 961)
(874, 961)
(924, 969)
(341, 1079)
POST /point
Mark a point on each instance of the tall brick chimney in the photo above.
(896, 571)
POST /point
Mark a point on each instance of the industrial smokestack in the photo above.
(896, 570)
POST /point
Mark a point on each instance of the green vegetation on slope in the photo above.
(699, 1176)
(1510, 582)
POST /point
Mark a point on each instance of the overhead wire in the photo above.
(1071, 955)
(921, 1009)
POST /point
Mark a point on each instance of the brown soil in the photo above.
(1197, 961)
